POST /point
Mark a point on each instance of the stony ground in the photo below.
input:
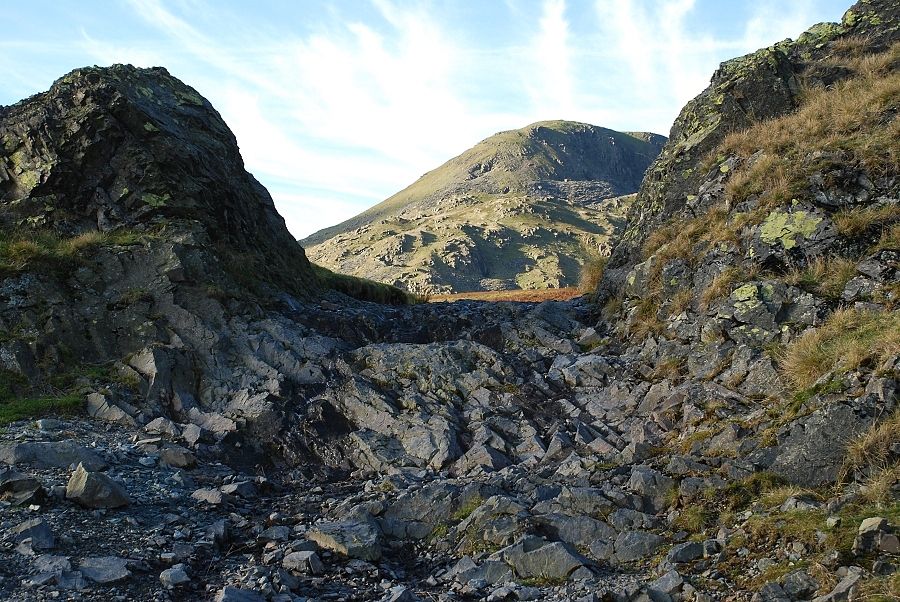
(542, 501)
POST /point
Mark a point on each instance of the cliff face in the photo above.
(521, 209)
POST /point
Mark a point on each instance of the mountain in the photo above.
(190, 413)
(521, 209)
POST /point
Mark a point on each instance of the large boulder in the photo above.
(95, 490)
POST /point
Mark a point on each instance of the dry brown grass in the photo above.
(873, 447)
(856, 221)
(530, 296)
(845, 341)
(856, 118)
(646, 320)
(88, 240)
(681, 301)
(851, 46)
(591, 273)
(722, 285)
(890, 239)
(779, 495)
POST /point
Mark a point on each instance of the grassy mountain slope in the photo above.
(520, 209)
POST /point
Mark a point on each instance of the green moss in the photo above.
(150, 127)
(36, 407)
(156, 200)
(467, 508)
(787, 228)
(363, 289)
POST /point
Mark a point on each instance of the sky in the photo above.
(338, 104)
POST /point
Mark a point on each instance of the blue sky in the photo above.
(337, 105)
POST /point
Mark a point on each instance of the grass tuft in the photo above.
(873, 447)
(847, 340)
(591, 273)
(826, 277)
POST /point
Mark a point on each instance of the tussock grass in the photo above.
(779, 495)
(695, 518)
(646, 320)
(856, 221)
(18, 400)
(363, 289)
(826, 277)
(872, 448)
(27, 249)
(890, 239)
(12, 410)
(723, 284)
(681, 301)
(467, 508)
(849, 338)
(591, 273)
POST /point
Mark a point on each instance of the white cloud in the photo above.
(551, 84)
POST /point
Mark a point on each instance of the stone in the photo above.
(303, 562)
(105, 569)
(845, 589)
(812, 452)
(20, 490)
(652, 485)
(634, 545)
(175, 576)
(193, 434)
(489, 571)
(98, 406)
(37, 532)
(244, 489)
(234, 594)
(798, 585)
(575, 530)
(870, 535)
(275, 533)
(685, 552)
(354, 539)
(162, 426)
(400, 593)
(177, 457)
(52, 454)
(213, 497)
(771, 592)
(95, 490)
(535, 557)
(668, 583)
(218, 532)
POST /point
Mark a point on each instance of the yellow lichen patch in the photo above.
(788, 228)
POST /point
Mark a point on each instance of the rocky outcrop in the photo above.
(521, 209)
(743, 91)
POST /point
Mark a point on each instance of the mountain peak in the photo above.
(517, 210)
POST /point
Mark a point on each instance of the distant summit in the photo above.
(521, 209)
